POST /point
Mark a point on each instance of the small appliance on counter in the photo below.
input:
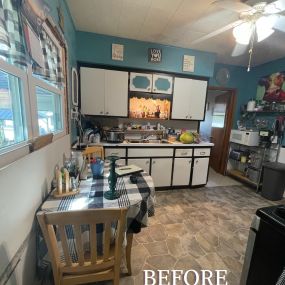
(249, 138)
(265, 138)
(92, 136)
(114, 135)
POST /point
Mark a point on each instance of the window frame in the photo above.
(29, 83)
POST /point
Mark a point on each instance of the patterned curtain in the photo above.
(52, 69)
(12, 43)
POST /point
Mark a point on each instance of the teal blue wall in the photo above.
(95, 48)
(246, 84)
(239, 80)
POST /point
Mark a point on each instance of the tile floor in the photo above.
(202, 228)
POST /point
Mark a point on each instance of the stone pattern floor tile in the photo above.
(203, 228)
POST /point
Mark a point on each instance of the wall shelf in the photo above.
(265, 112)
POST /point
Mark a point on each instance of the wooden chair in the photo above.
(93, 152)
(90, 266)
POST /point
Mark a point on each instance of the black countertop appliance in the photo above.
(264, 262)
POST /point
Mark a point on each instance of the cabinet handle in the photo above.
(196, 161)
(202, 152)
(154, 89)
(147, 162)
(148, 88)
(101, 112)
(153, 162)
(107, 113)
(186, 117)
(189, 161)
(190, 117)
(184, 153)
(114, 153)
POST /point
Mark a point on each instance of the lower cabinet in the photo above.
(181, 171)
(141, 162)
(161, 171)
(200, 171)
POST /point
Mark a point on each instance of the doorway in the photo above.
(218, 124)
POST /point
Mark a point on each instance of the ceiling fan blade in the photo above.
(235, 6)
(275, 7)
(280, 23)
(239, 49)
(217, 32)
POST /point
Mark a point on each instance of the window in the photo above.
(32, 65)
(49, 106)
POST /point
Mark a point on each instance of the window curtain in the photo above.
(12, 43)
(52, 69)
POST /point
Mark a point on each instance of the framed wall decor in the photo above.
(154, 55)
(117, 52)
(188, 63)
(271, 88)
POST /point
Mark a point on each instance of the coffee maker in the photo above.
(265, 138)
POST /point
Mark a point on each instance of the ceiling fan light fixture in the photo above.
(262, 34)
(264, 27)
(243, 32)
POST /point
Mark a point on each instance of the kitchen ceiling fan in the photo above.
(255, 23)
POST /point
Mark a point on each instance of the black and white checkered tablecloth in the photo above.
(139, 198)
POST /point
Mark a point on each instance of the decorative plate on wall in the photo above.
(222, 76)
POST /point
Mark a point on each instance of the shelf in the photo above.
(265, 112)
(238, 174)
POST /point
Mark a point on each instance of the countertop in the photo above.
(174, 144)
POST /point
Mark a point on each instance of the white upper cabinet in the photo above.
(198, 99)
(189, 99)
(116, 93)
(152, 83)
(104, 92)
(92, 86)
(140, 82)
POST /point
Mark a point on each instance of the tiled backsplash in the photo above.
(114, 122)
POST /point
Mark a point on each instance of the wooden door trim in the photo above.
(228, 125)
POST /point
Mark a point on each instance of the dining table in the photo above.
(138, 198)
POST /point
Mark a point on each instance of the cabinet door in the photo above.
(116, 93)
(181, 171)
(92, 90)
(140, 82)
(161, 171)
(197, 94)
(141, 162)
(181, 98)
(200, 171)
(162, 84)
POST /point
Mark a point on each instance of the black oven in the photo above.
(265, 254)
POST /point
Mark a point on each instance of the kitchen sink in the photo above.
(147, 141)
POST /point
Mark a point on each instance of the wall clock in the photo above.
(222, 76)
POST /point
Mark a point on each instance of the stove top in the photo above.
(274, 215)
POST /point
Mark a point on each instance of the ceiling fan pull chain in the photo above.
(249, 60)
(251, 48)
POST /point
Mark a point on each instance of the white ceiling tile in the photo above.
(171, 22)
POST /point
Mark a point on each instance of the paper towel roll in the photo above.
(250, 106)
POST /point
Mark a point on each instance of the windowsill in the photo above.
(20, 150)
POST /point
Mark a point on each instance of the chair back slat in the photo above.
(89, 262)
(79, 244)
(107, 240)
(93, 242)
(64, 243)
